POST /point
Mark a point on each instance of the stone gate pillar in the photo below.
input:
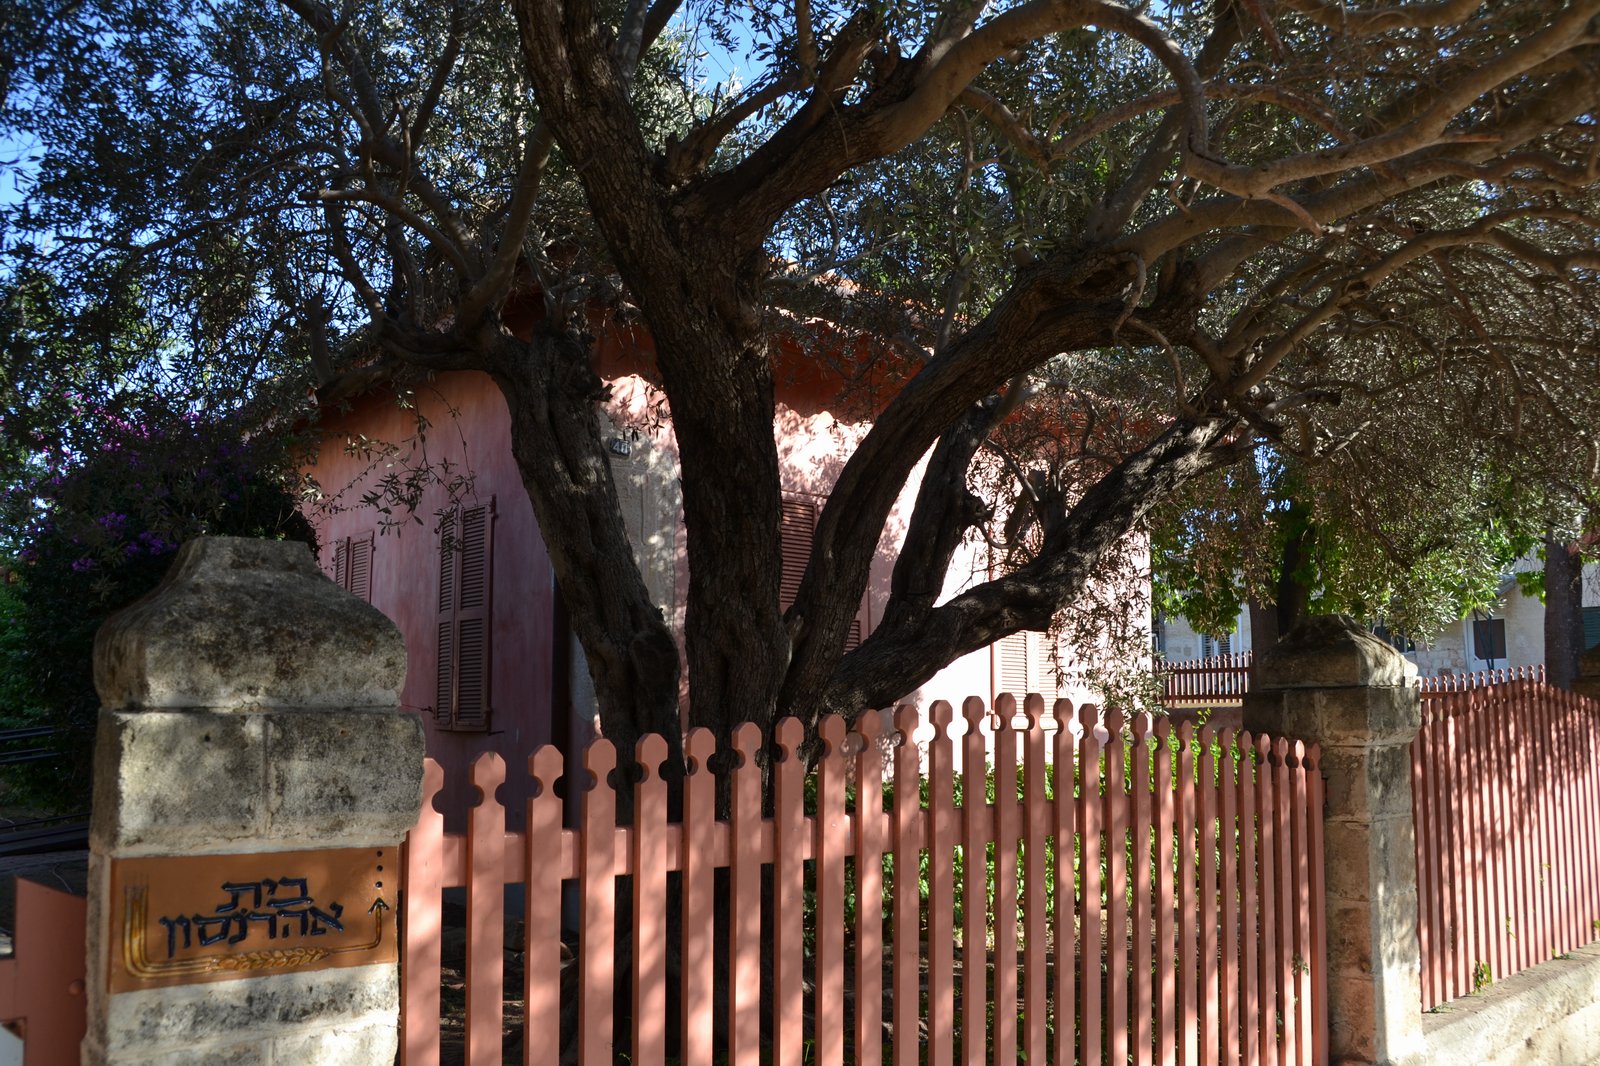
(254, 776)
(1332, 682)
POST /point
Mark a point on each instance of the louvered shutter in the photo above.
(358, 567)
(1014, 662)
(341, 561)
(472, 620)
(797, 531)
(461, 694)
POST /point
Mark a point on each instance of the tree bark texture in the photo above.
(1563, 611)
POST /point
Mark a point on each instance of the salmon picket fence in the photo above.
(1064, 887)
(1506, 797)
(1218, 680)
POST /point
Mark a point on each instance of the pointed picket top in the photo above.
(1280, 750)
(790, 734)
(1005, 713)
(1299, 753)
(546, 766)
(1033, 712)
(974, 712)
(941, 714)
(699, 746)
(1112, 718)
(906, 720)
(1140, 725)
(600, 758)
(1061, 714)
(1162, 728)
(488, 774)
(651, 752)
(1089, 719)
(870, 728)
(746, 740)
(833, 732)
(1186, 734)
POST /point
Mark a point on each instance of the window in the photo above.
(461, 700)
(1214, 646)
(352, 565)
(1591, 627)
(797, 530)
(1489, 638)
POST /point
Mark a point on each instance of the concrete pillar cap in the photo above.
(244, 624)
(1331, 651)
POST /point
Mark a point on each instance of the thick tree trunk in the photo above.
(1563, 611)
(552, 393)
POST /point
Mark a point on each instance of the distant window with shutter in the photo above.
(797, 531)
(1489, 638)
(1214, 646)
(461, 691)
(352, 565)
(1591, 627)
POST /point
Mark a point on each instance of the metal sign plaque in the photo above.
(187, 920)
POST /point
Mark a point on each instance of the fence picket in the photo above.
(832, 845)
(1007, 836)
(1064, 765)
(1035, 897)
(1091, 1018)
(1188, 935)
(699, 899)
(1116, 853)
(650, 905)
(869, 892)
(974, 987)
(744, 930)
(941, 888)
(541, 964)
(788, 896)
(486, 851)
(907, 858)
(1141, 986)
(422, 869)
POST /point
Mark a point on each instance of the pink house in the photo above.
(492, 663)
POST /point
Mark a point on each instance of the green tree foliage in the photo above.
(93, 532)
(1344, 237)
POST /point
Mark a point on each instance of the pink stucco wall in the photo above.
(468, 436)
(535, 662)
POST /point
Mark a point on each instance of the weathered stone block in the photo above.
(375, 1041)
(239, 624)
(178, 782)
(346, 776)
(257, 1009)
(1331, 651)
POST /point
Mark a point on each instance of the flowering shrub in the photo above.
(92, 529)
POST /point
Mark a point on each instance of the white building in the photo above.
(1510, 635)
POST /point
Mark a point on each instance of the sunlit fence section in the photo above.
(1221, 680)
(1506, 798)
(1101, 890)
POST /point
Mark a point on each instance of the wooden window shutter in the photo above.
(466, 587)
(1015, 656)
(797, 530)
(358, 566)
(352, 565)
